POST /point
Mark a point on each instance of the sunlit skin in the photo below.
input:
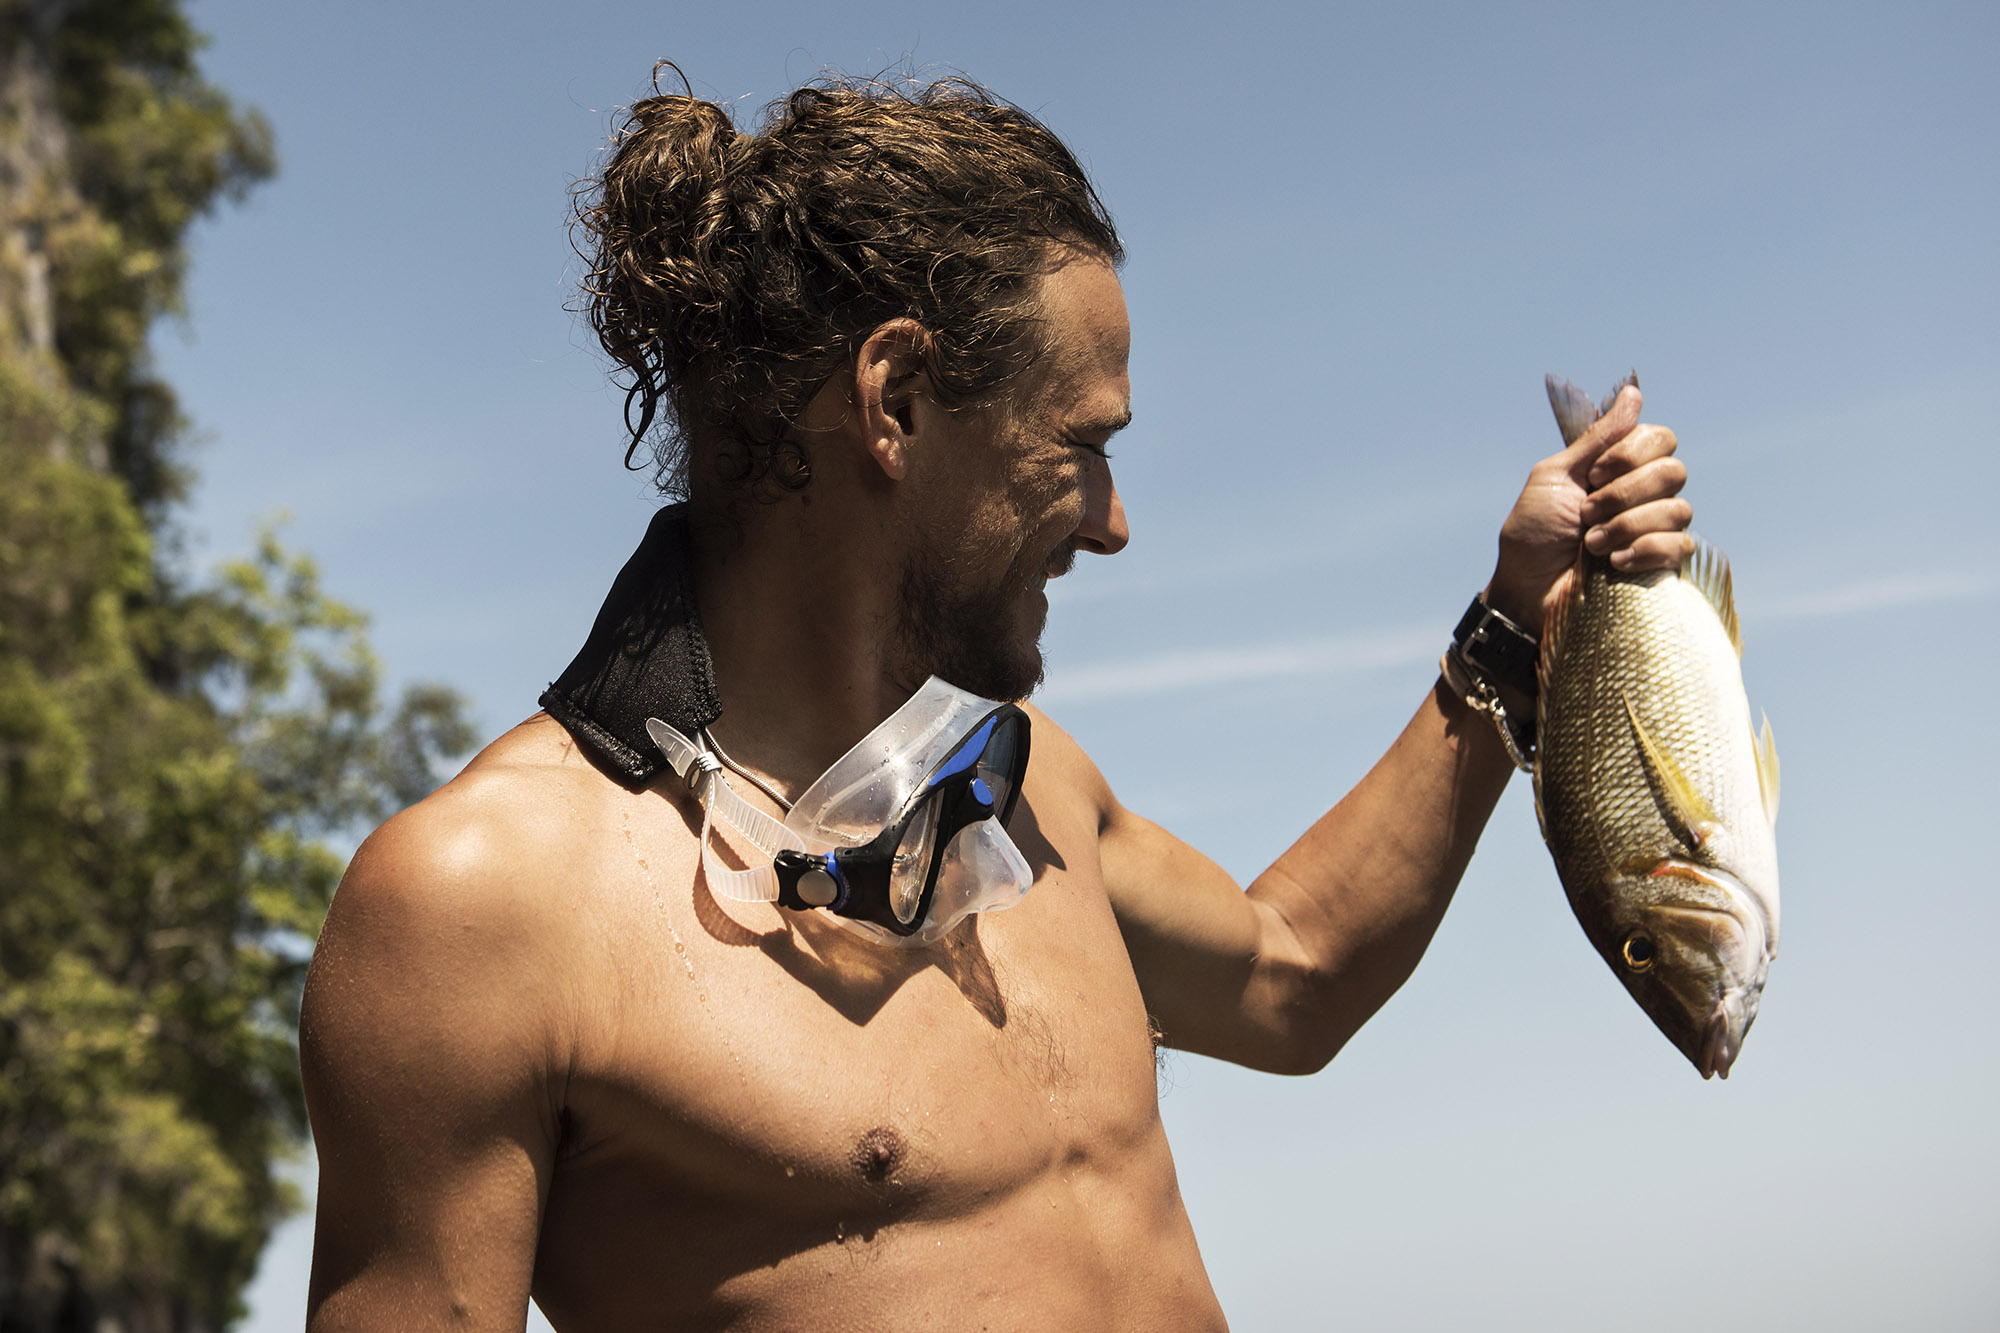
(540, 1056)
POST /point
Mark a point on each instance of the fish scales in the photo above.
(1657, 797)
(1652, 639)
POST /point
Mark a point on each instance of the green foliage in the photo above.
(152, 148)
(174, 756)
(162, 865)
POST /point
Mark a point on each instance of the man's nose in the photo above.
(1103, 529)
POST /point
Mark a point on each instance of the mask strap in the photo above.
(702, 772)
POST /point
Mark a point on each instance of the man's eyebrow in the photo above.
(1109, 425)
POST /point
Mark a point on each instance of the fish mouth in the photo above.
(1720, 1043)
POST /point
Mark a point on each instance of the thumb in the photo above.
(1606, 431)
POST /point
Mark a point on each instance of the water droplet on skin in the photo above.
(660, 902)
(790, 1171)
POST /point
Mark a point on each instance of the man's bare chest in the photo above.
(743, 1054)
(761, 1115)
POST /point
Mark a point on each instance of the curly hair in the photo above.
(731, 274)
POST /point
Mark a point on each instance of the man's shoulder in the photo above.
(467, 888)
(441, 1009)
(487, 836)
(1058, 762)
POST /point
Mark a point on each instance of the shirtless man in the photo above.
(888, 343)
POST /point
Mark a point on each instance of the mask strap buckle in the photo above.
(702, 771)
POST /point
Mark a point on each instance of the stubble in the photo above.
(978, 639)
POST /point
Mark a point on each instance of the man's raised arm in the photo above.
(1280, 977)
(427, 1043)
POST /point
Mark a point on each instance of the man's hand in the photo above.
(1617, 489)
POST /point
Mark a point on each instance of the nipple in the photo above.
(878, 1153)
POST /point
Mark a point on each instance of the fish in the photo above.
(1657, 799)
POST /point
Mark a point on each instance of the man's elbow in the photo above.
(1308, 1050)
(1283, 1040)
(1317, 1014)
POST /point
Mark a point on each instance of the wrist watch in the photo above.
(1495, 647)
(1487, 651)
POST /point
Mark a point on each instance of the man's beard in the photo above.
(973, 638)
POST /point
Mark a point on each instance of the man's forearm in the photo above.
(1362, 893)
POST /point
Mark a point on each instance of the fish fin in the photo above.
(1574, 410)
(1689, 814)
(1767, 770)
(1631, 381)
(1708, 570)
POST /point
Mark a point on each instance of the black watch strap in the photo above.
(1495, 647)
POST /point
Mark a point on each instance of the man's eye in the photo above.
(1102, 451)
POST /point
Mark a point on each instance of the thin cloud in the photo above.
(1878, 594)
(1171, 672)
(1182, 669)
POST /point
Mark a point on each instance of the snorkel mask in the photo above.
(901, 839)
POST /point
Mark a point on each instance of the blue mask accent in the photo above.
(967, 755)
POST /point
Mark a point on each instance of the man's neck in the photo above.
(798, 605)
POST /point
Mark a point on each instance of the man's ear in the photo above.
(889, 380)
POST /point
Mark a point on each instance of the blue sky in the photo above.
(1358, 237)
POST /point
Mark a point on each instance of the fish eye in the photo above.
(1638, 953)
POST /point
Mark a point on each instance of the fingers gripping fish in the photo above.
(1656, 796)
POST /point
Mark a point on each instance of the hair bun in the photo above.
(732, 272)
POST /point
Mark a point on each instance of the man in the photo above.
(550, 1048)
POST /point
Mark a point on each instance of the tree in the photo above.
(175, 753)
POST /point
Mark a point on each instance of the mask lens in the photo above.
(996, 762)
(913, 857)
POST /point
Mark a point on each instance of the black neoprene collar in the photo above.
(645, 657)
